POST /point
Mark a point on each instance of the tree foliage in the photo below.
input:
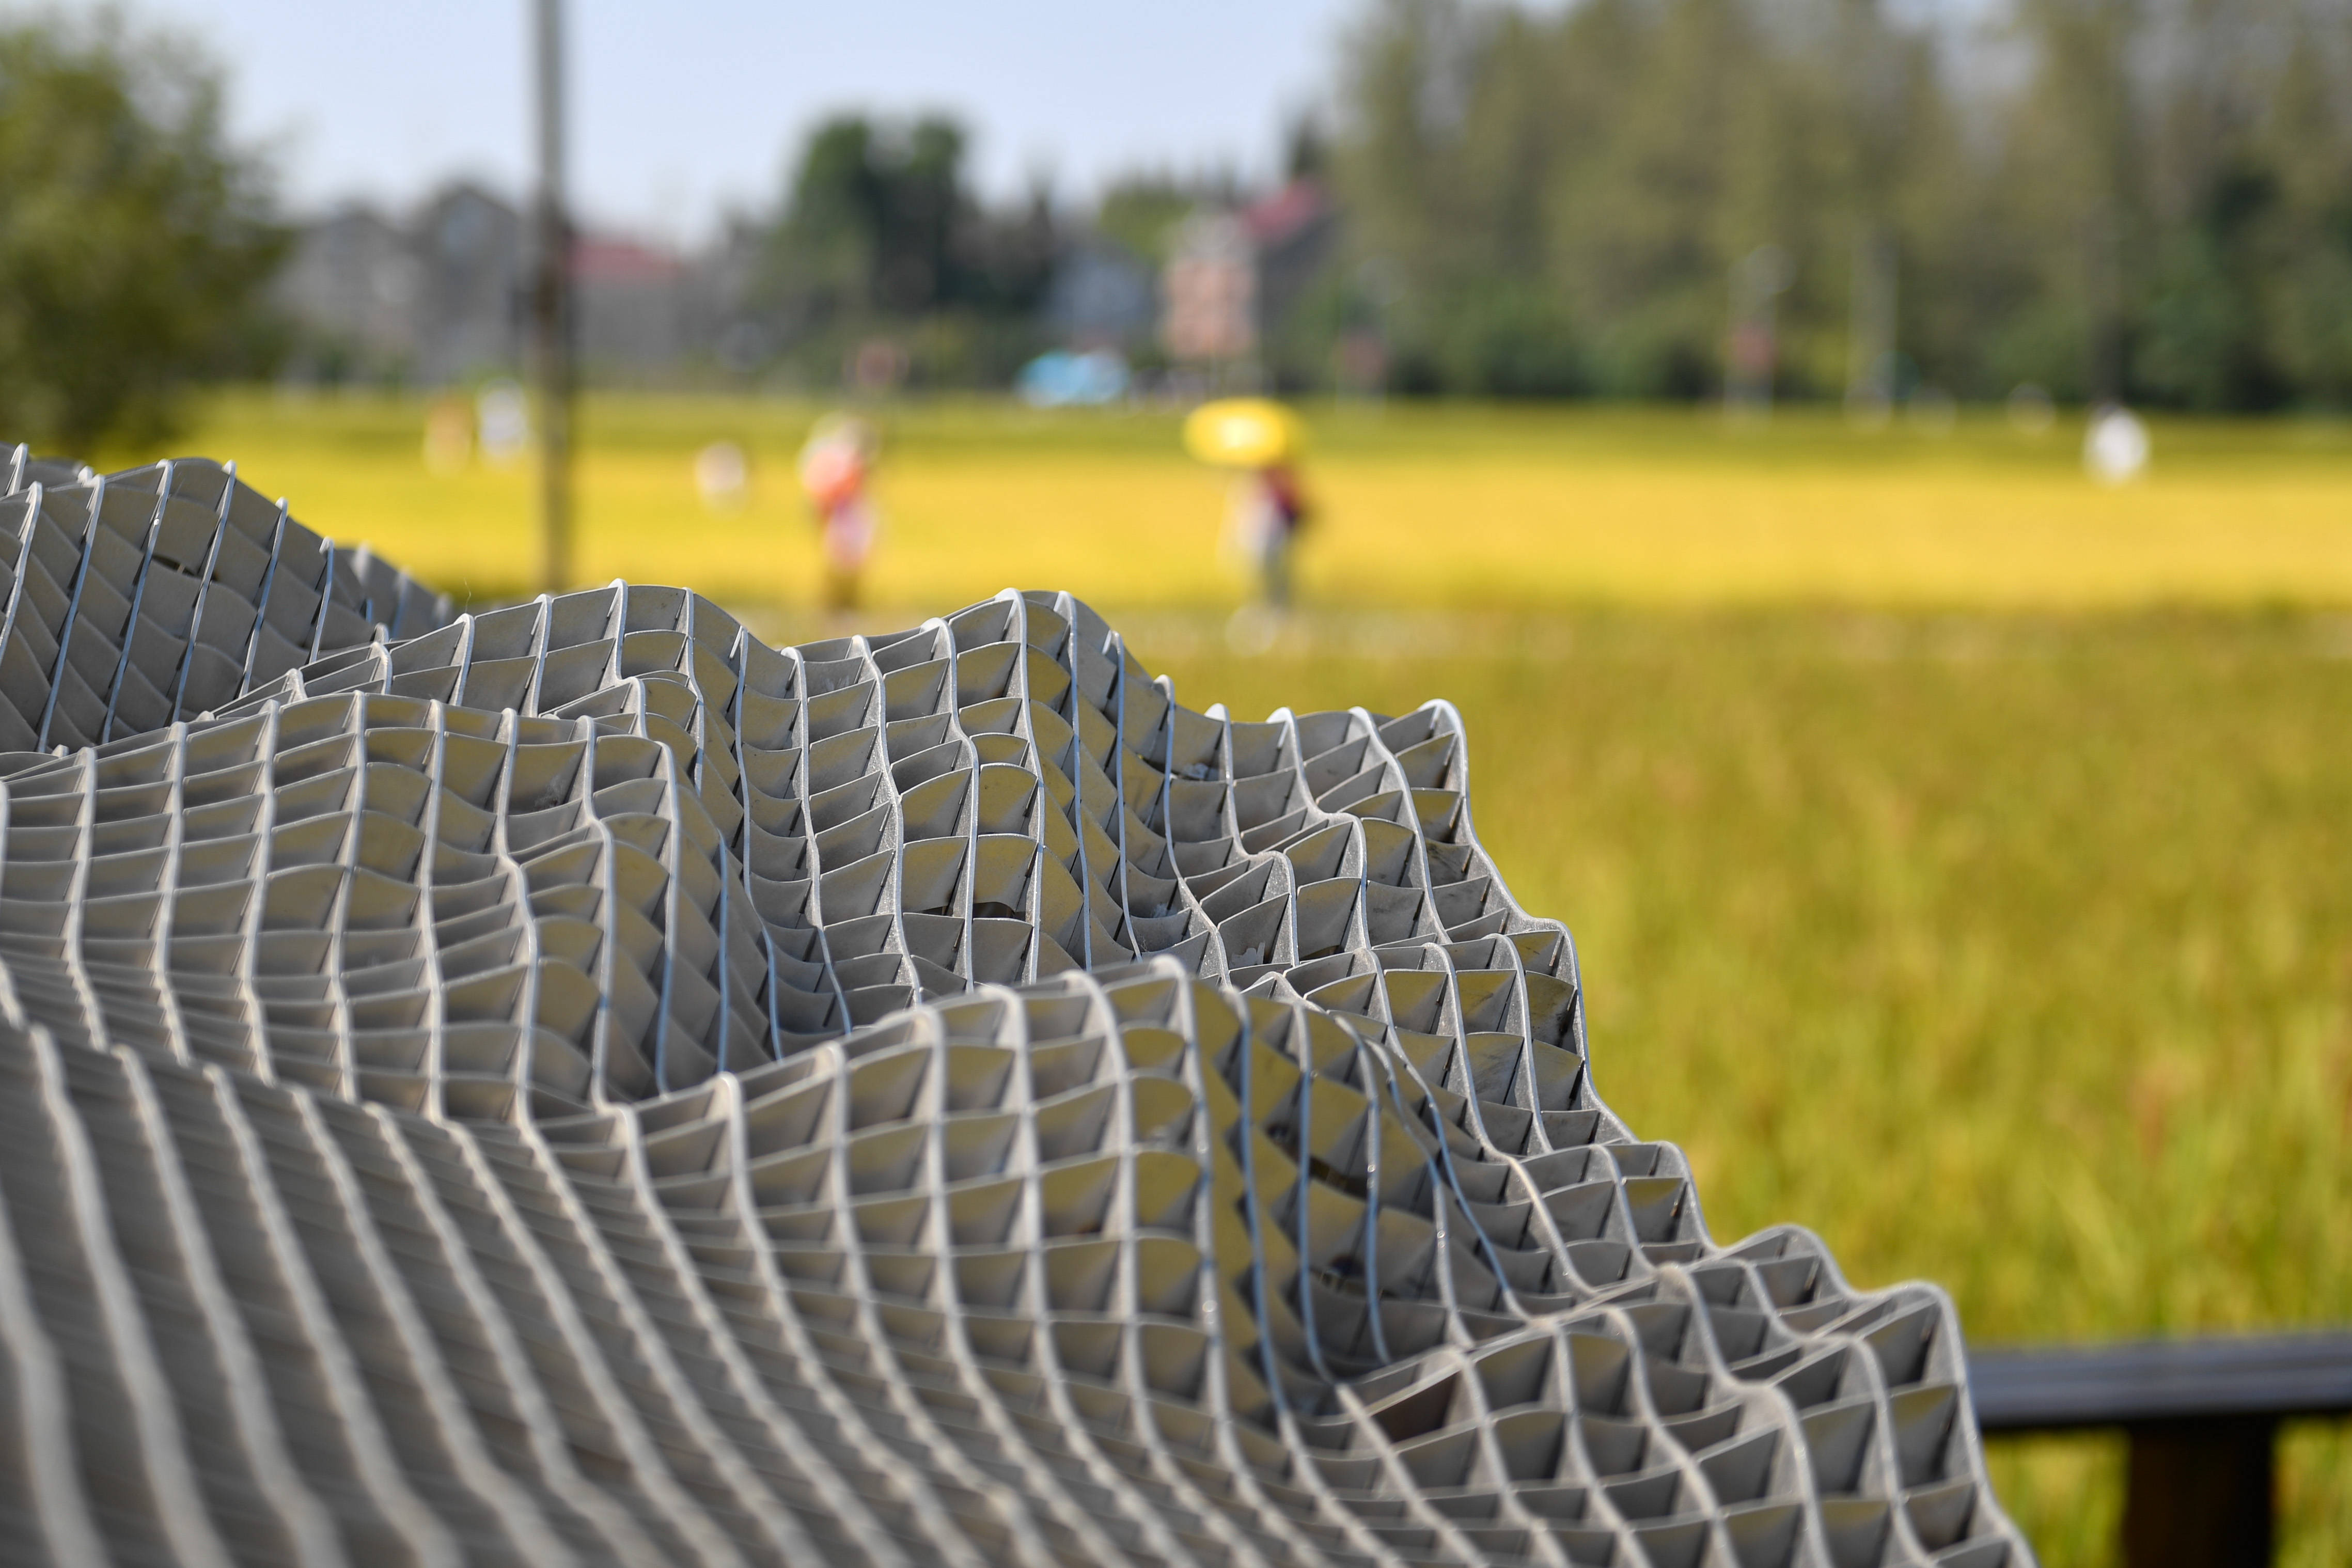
(879, 234)
(1142, 212)
(2145, 196)
(135, 242)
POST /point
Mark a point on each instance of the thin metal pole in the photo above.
(550, 305)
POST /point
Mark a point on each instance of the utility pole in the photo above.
(550, 305)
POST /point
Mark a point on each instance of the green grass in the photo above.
(2010, 953)
(1942, 878)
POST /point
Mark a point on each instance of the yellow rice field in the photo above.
(1454, 506)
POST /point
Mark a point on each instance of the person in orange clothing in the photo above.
(837, 464)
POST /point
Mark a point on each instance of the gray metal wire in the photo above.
(573, 1083)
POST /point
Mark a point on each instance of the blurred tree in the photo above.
(2307, 238)
(1565, 195)
(1142, 212)
(2149, 198)
(135, 242)
(879, 235)
(822, 255)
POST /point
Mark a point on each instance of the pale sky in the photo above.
(683, 107)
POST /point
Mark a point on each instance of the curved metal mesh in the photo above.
(579, 1084)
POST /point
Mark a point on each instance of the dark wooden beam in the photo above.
(2053, 1389)
(2199, 1494)
(2201, 1417)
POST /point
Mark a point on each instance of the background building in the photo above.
(435, 297)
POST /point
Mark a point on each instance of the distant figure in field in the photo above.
(835, 466)
(1260, 442)
(1269, 509)
(2114, 445)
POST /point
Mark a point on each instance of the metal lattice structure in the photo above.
(575, 1084)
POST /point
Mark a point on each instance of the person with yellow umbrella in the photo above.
(1261, 440)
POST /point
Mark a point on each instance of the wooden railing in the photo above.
(2202, 1417)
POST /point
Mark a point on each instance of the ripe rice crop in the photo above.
(1440, 506)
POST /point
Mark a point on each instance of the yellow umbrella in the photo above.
(1242, 433)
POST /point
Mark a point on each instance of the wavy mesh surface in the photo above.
(137, 598)
(581, 1085)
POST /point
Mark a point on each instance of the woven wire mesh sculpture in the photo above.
(575, 1084)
